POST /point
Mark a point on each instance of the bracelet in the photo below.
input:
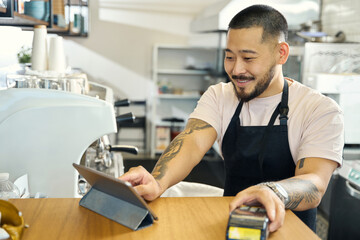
(278, 190)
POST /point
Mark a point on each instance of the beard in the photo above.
(262, 84)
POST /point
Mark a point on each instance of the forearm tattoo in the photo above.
(300, 190)
(301, 164)
(175, 147)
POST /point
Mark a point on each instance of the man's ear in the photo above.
(284, 51)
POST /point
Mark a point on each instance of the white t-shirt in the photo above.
(315, 124)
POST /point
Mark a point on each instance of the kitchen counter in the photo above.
(179, 218)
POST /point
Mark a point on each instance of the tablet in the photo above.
(114, 187)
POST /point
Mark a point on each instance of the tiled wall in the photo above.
(342, 15)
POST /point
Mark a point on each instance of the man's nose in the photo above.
(239, 68)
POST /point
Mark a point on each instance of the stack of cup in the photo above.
(41, 60)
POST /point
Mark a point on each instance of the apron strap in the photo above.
(284, 108)
(281, 108)
(236, 117)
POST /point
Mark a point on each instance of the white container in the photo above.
(57, 60)
(7, 188)
(39, 57)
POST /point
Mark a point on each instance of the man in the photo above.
(280, 140)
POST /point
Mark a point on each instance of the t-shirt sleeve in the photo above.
(207, 109)
(323, 134)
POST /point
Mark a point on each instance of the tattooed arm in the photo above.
(305, 190)
(177, 161)
(184, 152)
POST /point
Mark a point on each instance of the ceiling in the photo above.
(190, 7)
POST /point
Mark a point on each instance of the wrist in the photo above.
(278, 190)
(161, 188)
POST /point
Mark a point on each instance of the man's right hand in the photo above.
(143, 182)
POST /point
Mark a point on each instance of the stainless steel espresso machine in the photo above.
(44, 130)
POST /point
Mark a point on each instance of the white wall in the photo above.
(11, 40)
(122, 33)
(342, 15)
(118, 51)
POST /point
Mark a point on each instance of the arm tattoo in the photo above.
(299, 190)
(301, 164)
(175, 146)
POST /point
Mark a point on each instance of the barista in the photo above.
(280, 140)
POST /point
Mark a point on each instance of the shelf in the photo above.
(57, 29)
(77, 3)
(65, 32)
(22, 20)
(27, 22)
(178, 96)
(182, 72)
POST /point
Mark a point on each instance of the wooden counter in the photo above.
(179, 218)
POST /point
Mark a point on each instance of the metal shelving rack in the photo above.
(82, 9)
(185, 68)
(27, 22)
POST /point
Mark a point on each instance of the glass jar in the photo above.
(72, 84)
(7, 188)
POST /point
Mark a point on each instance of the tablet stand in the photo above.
(117, 209)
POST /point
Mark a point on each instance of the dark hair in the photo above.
(272, 21)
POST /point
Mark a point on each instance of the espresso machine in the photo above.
(44, 131)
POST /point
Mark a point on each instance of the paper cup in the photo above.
(57, 60)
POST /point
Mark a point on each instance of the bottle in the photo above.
(7, 188)
(39, 56)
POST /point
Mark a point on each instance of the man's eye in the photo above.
(248, 59)
(229, 58)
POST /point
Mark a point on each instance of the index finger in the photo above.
(253, 197)
(134, 175)
(240, 200)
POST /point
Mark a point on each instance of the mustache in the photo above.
(242, 77)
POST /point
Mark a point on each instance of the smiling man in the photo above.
(254, 64)
(280, 140)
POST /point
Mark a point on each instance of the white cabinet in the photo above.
(182, 74)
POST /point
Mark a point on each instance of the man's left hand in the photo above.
(263, 195)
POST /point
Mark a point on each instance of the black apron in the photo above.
(255, 154)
